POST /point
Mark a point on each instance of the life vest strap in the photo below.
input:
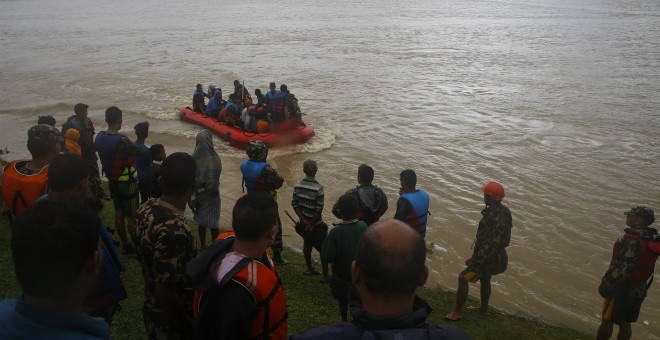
(17, 195)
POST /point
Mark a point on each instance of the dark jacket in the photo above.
(369, 326)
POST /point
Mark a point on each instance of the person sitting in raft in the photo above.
(210, 91)
(247, 116)
(215, 104)
(242, 94)
(261, 99)
(230, 114)
(198, 104)
(262, 121)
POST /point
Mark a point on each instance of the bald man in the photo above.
(388, 268)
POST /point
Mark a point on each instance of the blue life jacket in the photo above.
(251, 173)
(106, 145)
(75, 124)
(419, 201)
(230, 104)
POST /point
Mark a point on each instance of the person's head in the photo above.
(212, 88)
(257, 151)
(254, 218)
(72, 135)
(273, 87)
(257, 92)
(48, 120)
(310, 168)
(55, 248)
(283, 88)
(365, 174)
(81, 110)
(177, 175)
(233, 98)
(408, 179)
(142, 130)
(217, 93)
(205, 138)
(199, 88)
(113, 116)
(44, 142)
(237, 83)
(67, 173)
(639, 217)
(389, 262)
(348, 206)
(157, 152)
(493, 193)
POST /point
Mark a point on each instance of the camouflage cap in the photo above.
(643, 212)
(257, 150)
(43, 133)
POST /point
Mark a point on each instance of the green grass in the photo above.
(309, 302)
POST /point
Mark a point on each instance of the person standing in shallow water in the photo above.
(489, 256)
(207, 195)
(624, 286)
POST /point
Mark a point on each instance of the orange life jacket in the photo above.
(21, 190)
(265, 286)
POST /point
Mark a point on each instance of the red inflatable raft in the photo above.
(293, 134)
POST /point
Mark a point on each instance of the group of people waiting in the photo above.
(271, 109)
(74, 287)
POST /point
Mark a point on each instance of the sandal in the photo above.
(312, 272)
(453, 316)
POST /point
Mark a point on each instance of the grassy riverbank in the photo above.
(309, 302)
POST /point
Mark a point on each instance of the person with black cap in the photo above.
(23, 181)
(489, 255)
(625, 284)
(84, 125)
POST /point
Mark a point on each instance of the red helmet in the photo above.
(494, 190)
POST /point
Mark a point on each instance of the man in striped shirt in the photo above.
(307, 202)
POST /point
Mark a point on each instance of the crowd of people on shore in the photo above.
(273, 108)
(231, 289)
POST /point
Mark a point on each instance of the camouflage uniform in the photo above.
(622, 266)
(166, 245)
(271, 177)
(88, 152)
(493, 235)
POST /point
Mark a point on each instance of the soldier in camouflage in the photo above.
(624, 285)
(489, 255)
(165, 246)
